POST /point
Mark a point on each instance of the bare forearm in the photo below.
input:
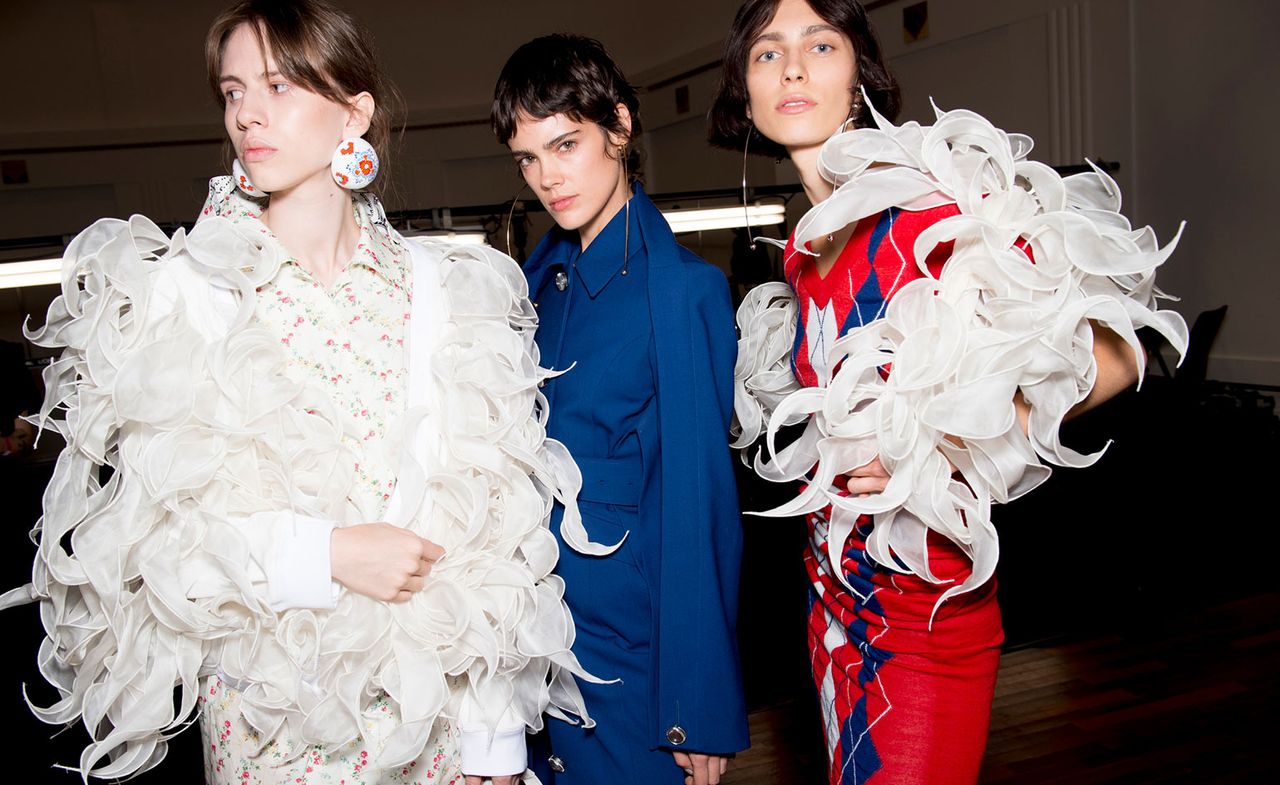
(1117, 370)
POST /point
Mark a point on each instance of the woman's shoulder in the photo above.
(227, 201)
(697, 270)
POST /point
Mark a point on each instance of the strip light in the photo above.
(45, 272)
(41, 272)
(707, 219)
(48, 272)
(452, 238)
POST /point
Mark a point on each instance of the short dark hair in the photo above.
(571, 75)
(727, 122)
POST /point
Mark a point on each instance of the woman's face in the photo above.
(574, 168)
(800, 71)
(283, 134)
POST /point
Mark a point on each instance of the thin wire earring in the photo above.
(626, 232)
(511, 217)
(746, 214)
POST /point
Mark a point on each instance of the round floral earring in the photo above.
(355, 164)
(243, 182)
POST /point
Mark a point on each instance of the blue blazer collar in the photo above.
(603, 258)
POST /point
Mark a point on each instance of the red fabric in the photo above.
(902, 704)
(876, 262)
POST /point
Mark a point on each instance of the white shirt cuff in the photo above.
(298, 567)
(505, 755)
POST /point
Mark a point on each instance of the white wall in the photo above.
(110, 109)
(1179, 92)
(1206, 114)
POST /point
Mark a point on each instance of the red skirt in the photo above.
(901, 703)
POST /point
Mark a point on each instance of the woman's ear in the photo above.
(624, 119)
(360, 114)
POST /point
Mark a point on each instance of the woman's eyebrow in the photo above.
(559, 139)
(822, 28)
(805, 33)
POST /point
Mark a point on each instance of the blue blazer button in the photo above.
(676, 735)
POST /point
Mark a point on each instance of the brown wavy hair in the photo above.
(318, 47)
(727, 121)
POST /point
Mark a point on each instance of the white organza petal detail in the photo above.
(164, 379)
(992, 324)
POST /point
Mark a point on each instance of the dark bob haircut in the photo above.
(318, 48)
(727, 122)
(571, 75)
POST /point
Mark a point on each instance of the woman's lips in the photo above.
(561, 204)
(258, 153)
(795, 104)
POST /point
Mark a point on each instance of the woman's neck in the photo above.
(617, 200)
(315, 223)
(816, 187)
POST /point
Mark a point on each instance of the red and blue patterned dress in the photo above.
(902, 704)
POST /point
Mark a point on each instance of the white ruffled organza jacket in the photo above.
(146, 578)
(991, 326)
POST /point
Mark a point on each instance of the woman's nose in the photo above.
(250, 111)
(794, 70)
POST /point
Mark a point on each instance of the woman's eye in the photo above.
(568, 145)
(524, 161)
(823, 48)
(279, 87)
(767, 57)
(233, 95)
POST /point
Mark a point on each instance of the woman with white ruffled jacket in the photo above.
(326, 517)
(949, 304)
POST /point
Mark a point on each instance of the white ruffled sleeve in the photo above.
(181, 427)
(762, 375)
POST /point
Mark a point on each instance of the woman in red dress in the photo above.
(905, 679)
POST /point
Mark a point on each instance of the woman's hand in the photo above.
(701, 769)
(382, 561)
(872, 477)
(867, 479)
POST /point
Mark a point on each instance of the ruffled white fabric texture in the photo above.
(142, 580)
(960, 345)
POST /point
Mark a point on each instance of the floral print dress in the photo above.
(349, 339)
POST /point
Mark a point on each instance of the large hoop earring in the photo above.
(354, 164)
(746, 214)
(626, 230)
(511, 215)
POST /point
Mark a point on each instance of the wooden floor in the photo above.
(1184, 698)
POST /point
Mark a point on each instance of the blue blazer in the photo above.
(695, 666)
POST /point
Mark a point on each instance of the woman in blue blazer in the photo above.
(644, 332)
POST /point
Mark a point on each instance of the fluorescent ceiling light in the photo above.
(707, 219)
(46, 272)
(41, 272)
(452, 238)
